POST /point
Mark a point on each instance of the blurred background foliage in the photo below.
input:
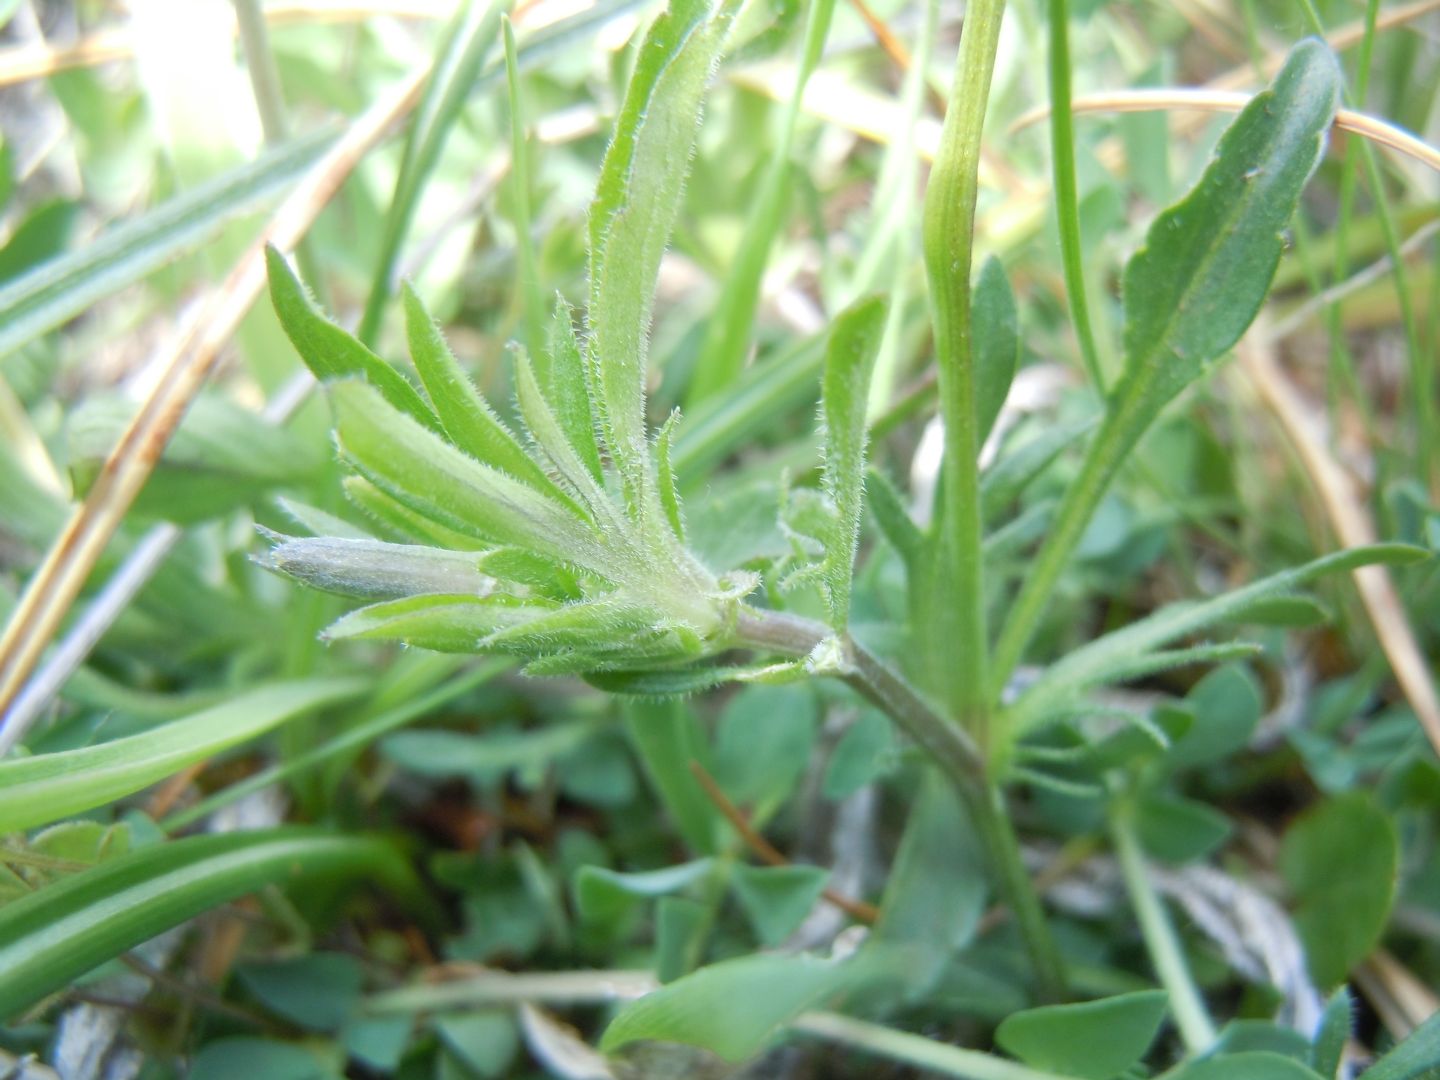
(558, 830)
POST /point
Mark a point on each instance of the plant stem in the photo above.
(993, 818)
(951, 748)
(927, 1054)
(949, 241)
(1102, 461)
(1067, 199)
(1193, 1019)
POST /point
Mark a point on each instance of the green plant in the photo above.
(555, 535)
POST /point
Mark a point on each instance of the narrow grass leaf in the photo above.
(331, 352)
(467, 39)
(47, 787)
(54, 935)
(62, 288)
(636, 203)
(727, 334)
(849, 361)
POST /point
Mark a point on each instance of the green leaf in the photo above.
(1195, 285)
(47, 787)
(996, 342)
(243, 1057)
(317, 991)
(1093, 1040)
(467, 417)
(222, 456)
(1118, 649)
(1340, 861)
(1226, 704)
(431, 477)
(1179, 830)
(605, 896)
(636, 203)
(937, 888)
(485, 758)
(727, 332)
(485, 1041)
(1417, 1054)
(680, 929)
(888, 507)
(763, 741)
(567, 388)
(332, 353)
(1190, 292)
(667, 737)
(777, 899)
(1014, 471)
(1251, 1065)
(849, 360)
(54, 935)
(732, 1007)
(864, 753)
(57, 291)
(1335, 1028)
(468, 37)
(39, 238)
(443, 623)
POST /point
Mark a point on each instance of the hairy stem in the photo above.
(950, 747)
(949, 241)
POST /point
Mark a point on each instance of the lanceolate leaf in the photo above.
(45, 788)
(1190, 292)
(849, 361)
(1207, 261)
(58, 933)
(636, 202)
(329, 351)
(467, 416)
(64, 287)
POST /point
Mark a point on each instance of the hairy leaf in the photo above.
(849, 360)
(636, 203)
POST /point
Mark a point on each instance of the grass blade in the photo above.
(45, 788)
(62, 288)
(56, 934)
(451, 79)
